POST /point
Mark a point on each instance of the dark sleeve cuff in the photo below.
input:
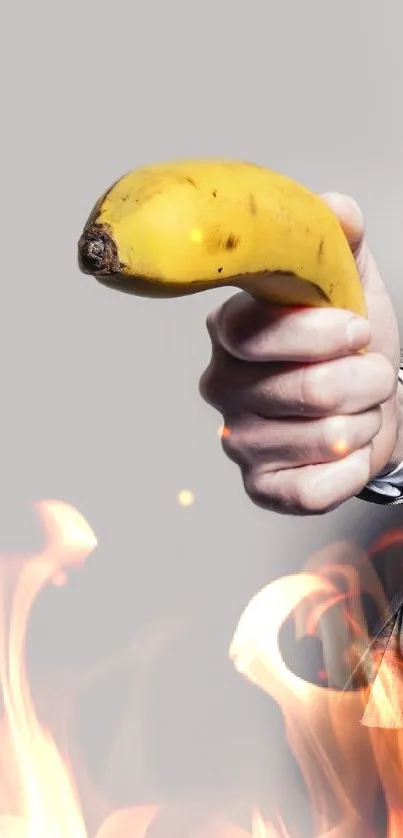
(375, 497)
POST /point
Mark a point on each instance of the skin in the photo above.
(309, 419)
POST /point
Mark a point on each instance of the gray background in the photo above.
(99, 403)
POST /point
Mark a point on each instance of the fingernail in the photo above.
(358, 333)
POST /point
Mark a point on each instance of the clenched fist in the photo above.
(308, 419)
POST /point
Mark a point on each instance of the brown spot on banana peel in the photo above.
(232, 242)
(320, 250)
(252, 205)
(217, 240)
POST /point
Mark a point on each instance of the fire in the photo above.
(347, 742)
(38, 798)
(261, 829)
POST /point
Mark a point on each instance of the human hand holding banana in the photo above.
(309, 418)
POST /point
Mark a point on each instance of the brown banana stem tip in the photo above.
(97, 252)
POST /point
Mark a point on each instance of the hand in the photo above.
(308, 419)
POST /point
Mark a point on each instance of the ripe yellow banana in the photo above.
(177, 228)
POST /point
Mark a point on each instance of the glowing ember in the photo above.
(186, 497)
(340, 447)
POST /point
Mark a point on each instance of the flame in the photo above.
(347, 742)
(42, 796)
(325, 737)
(261, 829)
(133, 822)
(38, 798)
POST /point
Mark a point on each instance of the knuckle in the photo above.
(334, 436)
(236, 441)
(332, 432)
(223, 384)
(231, 319)
(342, 434)
(210, 388)
(238, 326)
(307, 500)
(245, 441)
(318, 392)
(263, 490)
(283, 493)
(255, 487)
(233, 445)
(211, 324)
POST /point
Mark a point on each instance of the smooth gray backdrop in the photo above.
(99, 400)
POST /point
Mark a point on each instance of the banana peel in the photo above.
(172, 229)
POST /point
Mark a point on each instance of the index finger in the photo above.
(253, 330)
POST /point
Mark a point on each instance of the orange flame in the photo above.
(346, 742)
(38, 798)
(261, 829)
(43, 797)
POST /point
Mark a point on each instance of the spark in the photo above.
(340, 447)
(196, 235)
(186, 497)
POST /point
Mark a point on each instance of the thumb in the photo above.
(351, 220)
(350, 217)
(381, 314)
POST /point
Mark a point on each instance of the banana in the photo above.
(178, 228)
